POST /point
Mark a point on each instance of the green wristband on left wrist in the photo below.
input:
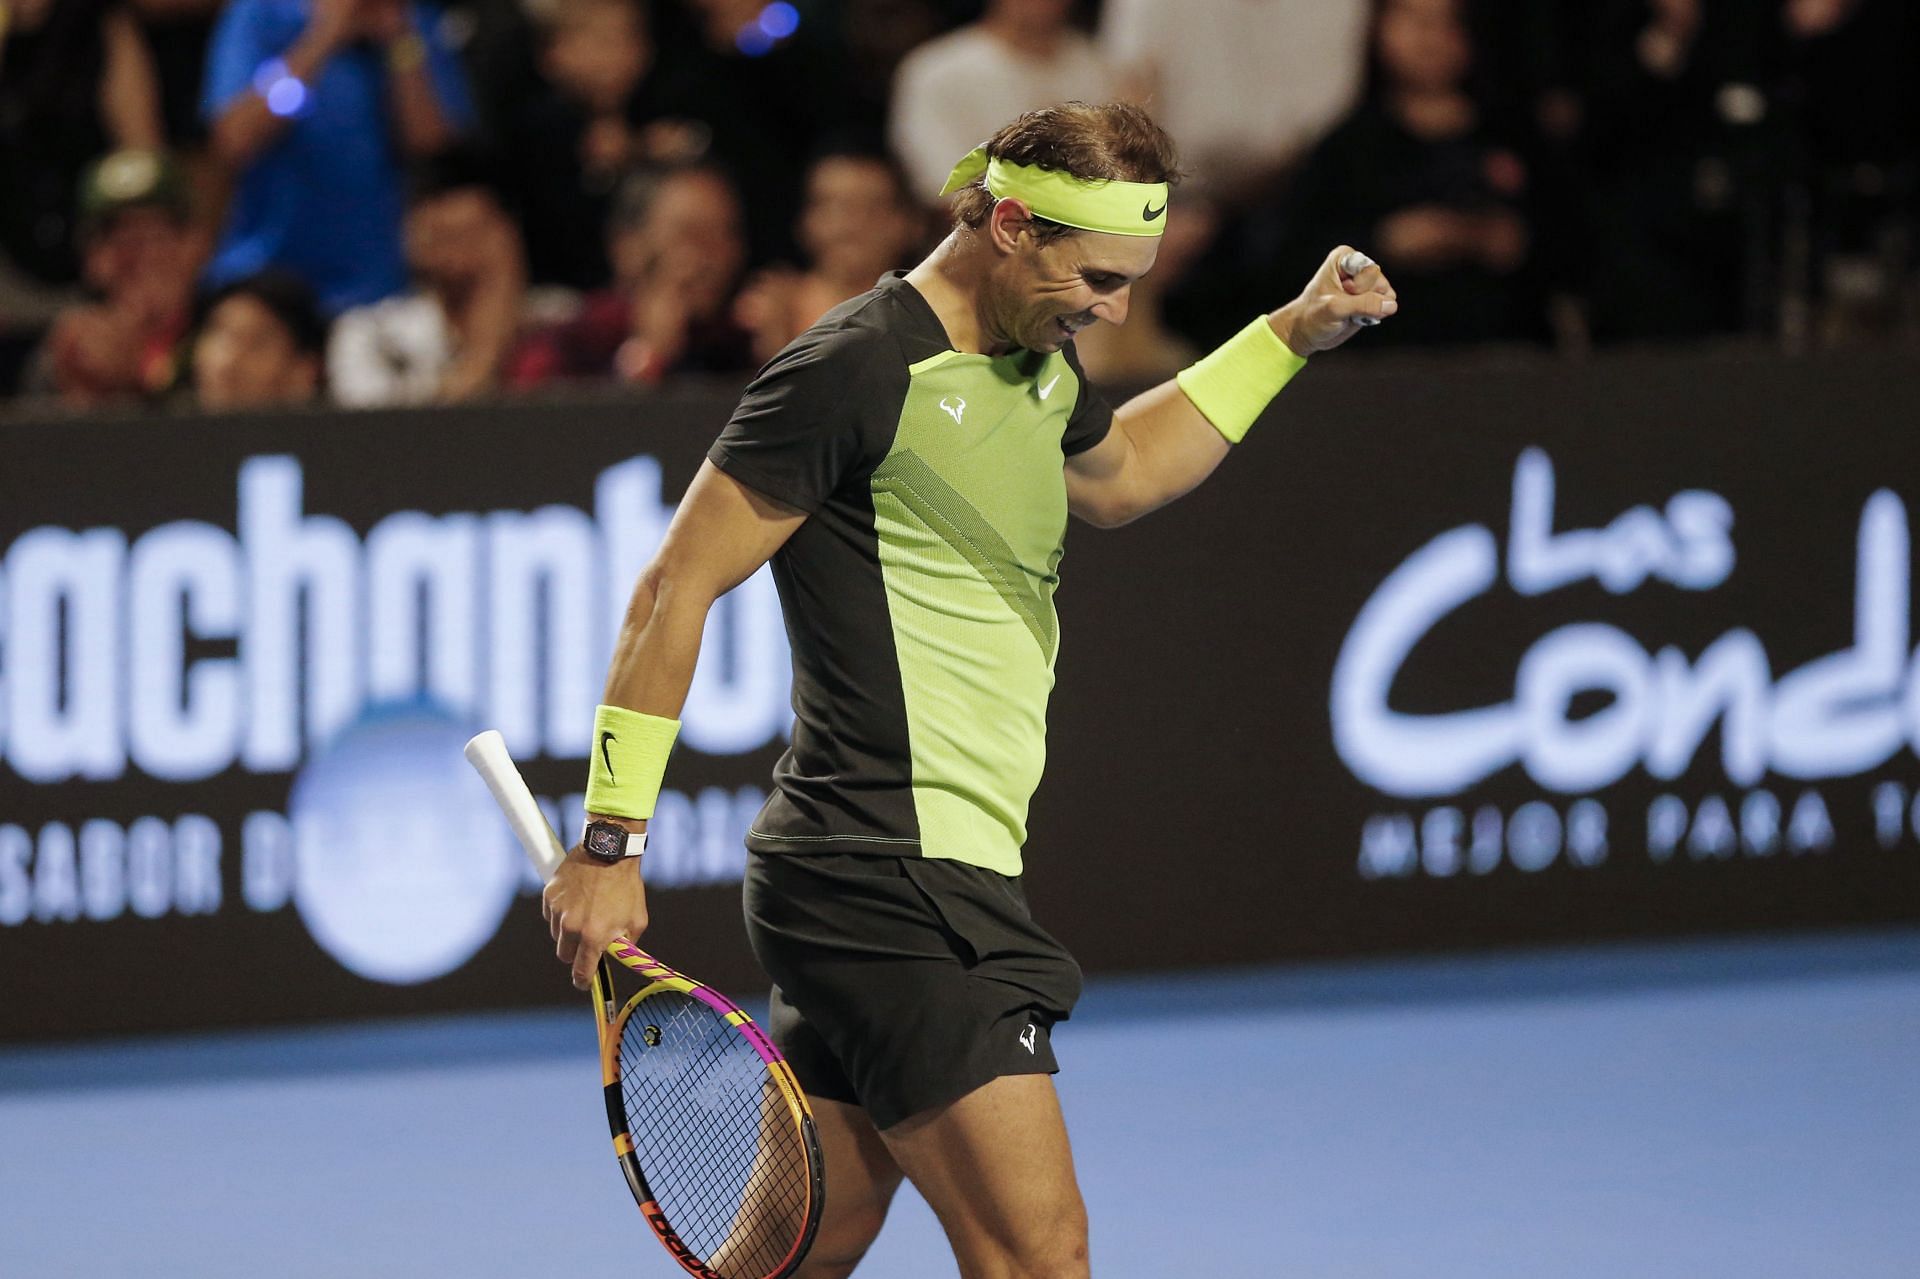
(627, 760)
(1232, 386)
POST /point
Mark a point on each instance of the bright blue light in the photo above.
(398, 768)
(779, 20)
(286, 96)
(753, 41)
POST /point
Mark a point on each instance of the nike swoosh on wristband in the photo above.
(606, 737)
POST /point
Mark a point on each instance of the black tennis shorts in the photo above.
(901, 983)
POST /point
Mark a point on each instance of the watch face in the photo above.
(605, 841)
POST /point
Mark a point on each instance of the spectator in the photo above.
(597, 115)
(677, 249)
(1662, 230)
(766, 86)
(859, 222)
(953, 92)
(448, 339)
(499, 45)
(138, 250)
(75, 81)
(877, 35)
(1416, 177)
(1853, 113)
(1246, 88)
(259, 344)
(317, 105)
(1526, 83)
(177, 32)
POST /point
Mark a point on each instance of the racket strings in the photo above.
(724, 1189)
(714, 1136)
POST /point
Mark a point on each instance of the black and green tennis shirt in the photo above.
(919, 594)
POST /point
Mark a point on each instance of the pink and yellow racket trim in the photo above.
(661, 977)
(488, 754)
(665, 978)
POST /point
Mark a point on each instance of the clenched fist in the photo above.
(1348, 293)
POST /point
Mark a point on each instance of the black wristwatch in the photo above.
(610, 842)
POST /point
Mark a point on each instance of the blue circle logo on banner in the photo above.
(404, 868)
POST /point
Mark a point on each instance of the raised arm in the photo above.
(419, 75)
(130, 85)
(1163, 443)
(257, 96)
(722, 533)
(243, 125)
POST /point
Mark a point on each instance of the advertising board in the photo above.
(1443, 657)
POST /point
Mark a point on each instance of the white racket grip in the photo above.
(487, 752)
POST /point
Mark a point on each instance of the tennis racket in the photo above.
(709, 1124)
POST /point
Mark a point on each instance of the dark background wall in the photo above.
(1205, 803)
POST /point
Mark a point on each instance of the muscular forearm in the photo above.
(721, 534)
(130, 88)
(588, 902)
(1168, 440)
(1171, 444)
(659, 644)
(1172, 447)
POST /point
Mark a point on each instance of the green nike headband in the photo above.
(1089, 204)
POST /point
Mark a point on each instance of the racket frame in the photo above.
(487, 752)
(611, 1024)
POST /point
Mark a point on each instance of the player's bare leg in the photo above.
(861, 1180)
(767, 1223)
(996, 1168)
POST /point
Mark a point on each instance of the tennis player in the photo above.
(908, 465)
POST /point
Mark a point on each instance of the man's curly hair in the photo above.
(1113, 140)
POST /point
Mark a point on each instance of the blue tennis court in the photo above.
(1741, 1109)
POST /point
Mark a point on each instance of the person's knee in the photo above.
(843, 1240)
(1052, 1246)
(1061, 1253)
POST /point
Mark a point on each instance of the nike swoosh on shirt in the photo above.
(1047, 390)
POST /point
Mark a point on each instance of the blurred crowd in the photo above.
(235, 204)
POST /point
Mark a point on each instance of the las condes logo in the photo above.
(1838, 715)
